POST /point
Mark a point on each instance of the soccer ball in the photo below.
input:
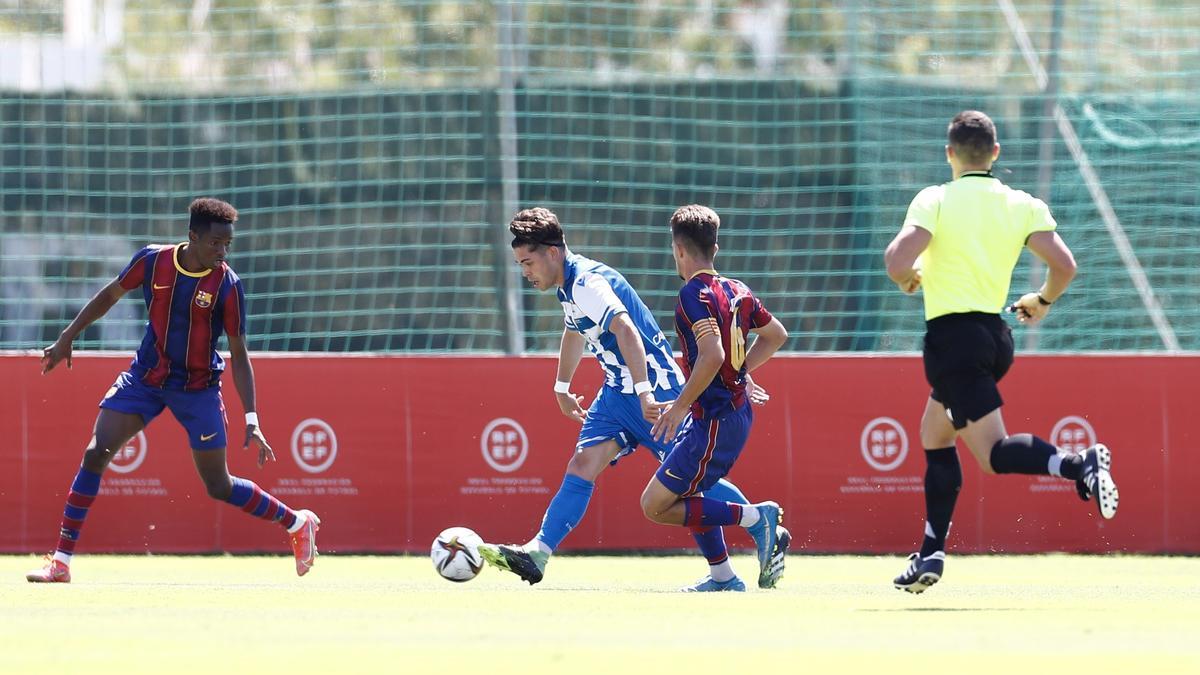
(455, 554)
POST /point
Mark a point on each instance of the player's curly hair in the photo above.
(695, 227)
(972, 134)
(535, 228)
(207, 211)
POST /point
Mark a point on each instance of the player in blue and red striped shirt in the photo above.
(714, 317)
(192, 296)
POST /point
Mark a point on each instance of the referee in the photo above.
(960, 242)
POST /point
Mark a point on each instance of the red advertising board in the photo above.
(389, 450)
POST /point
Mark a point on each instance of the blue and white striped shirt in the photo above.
(592, 295)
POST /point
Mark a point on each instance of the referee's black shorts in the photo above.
(965, 356)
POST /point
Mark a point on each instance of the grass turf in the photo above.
(229, 615)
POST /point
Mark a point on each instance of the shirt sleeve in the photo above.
(923, 211)
(697, 309)
(759, 316)
(1040, 219)
(234, 317)
(134, 273)
(596, 297)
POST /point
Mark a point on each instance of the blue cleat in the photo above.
(775, 569)
(921, 573)
(770, 515)
(758, 532)
(707, 585)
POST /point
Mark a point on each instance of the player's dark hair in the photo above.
(207, 211)
(535, 228)
(972, 134)
(695, 227)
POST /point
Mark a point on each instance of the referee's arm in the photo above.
(1060, 263)
(901, 256)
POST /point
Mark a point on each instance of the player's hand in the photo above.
(1029, 309)
(572, 406)
(758, 395)
(651, 408)
(255, 435)
(61, 349)
(667, 424)
(914, 282)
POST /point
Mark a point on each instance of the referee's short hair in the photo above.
(972, 134)
(695, 227)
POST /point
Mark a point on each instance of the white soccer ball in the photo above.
(455, 554)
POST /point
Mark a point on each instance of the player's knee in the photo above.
(586, 465)
(652, 506)
(648, 506)
(219, 489)
(99, 452)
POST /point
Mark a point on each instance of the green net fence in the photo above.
(376, 148)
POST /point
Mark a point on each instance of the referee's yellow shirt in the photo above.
(979, 226)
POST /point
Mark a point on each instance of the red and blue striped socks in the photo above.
(83, 492)
(261, 504)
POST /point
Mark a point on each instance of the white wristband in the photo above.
(561, 387)
(252, 419)
(642, 387)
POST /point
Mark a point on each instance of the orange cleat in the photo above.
(304, 542)
(53, 571)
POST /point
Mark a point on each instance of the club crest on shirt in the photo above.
(203, 298)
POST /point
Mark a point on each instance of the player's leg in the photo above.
(724, 490)
(244, 494)
(570, 503)
(565, 511)
(943, 480)
(711, 540)
(111, 432)
(1030, 455)
(943, 476)
(202, 414)
(126, 408)
(700, 456)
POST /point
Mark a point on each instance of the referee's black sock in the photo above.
(943, 480)
(1028, 454)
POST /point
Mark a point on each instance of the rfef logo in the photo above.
(314, 445)
(130, 456)
(505, 445)
(884, 444)
(1073, 434)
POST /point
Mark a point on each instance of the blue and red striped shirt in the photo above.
(188, 313)
(708, 304)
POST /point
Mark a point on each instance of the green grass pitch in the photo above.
(228, 615)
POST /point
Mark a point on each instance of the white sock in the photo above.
(722, 572)
(301, 519)
(536, 544)
(750, 516)
(1054, 464)
(64, 558)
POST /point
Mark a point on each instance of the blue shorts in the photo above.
(705, 452)
(618, 417)
(202, 413)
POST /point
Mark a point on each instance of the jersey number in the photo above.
(737, 340)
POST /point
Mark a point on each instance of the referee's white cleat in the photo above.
(1097, 483)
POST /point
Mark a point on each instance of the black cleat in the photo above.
(1097, 482)
(921, 573)
(530, 566)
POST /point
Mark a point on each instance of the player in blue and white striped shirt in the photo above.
(604, 314)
